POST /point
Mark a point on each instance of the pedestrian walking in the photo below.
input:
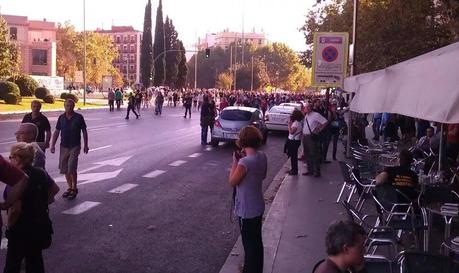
(159, 103)
(118, 98)
(27, 132)
(207, 118)
(131, 106)
(111, 100)
(29, 227)
(42, 123)
(138, 101)
(247, 173)
(72, 125)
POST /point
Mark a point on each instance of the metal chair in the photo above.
(379, 264)
(348, 182)
(363, 187)
(422, 262)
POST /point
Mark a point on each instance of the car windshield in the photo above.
(239, 115)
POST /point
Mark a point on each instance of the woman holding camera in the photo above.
(295, 132)
(247, 174)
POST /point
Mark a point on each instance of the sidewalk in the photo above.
(296, 223)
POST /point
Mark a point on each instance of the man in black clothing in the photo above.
(41, 121)
(131, 106)
(187, 100)
(401, 177)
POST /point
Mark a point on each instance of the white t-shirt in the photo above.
(315, 120)
(298, 132)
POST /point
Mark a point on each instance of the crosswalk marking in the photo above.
(195, 155)
(100, 148)
(154, 173)
(123, 188)
(177, 163)
(80, 208)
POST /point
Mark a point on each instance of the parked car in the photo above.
(232, 119)
(296, 105)
(277, 117)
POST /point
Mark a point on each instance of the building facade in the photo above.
(225, 38)
(128, 41)
(36, 41)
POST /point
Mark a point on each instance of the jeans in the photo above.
(187, 110)
(131, 108)
(312, 154)
(111, 105)
(253, 244)
(118, 104)
(293, 153)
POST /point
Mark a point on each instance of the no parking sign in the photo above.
(329, 59)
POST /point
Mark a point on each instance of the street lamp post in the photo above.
(354, 40)
(251, 82)
(84, 42)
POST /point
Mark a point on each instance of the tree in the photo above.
(158, 48)
(9, 53)
(389, 31)
(244, 76)
(172, 57)
(182, 69)
(68, 50)
(225, 80)
(146, 54)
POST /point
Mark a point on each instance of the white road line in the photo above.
(154, 174)
(7, 142)
(98, 129)
(208, 149)
(100, 148)
(80, 208)
(123, 188)
(121, 126)
(195, 155)
(177, 163)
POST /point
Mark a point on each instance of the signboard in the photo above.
(329, 59)
(52, 83)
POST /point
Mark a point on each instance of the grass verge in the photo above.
(25, 105)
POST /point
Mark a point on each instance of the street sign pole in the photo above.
(354, 40)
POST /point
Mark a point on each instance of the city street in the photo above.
(151, 198)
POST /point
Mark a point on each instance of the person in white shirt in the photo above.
(295, 131)
(313, 123)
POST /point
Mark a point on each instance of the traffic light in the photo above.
(207, 53)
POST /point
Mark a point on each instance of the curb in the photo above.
(272, 223)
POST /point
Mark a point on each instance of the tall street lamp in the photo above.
(84, 42)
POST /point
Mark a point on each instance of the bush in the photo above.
(8, 88)
(26, 84)
(41, 92)
(13, 99)
(49, 99)
(73, 97)
(64, 95)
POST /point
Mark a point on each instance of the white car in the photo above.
(298, 106)
(276, 119)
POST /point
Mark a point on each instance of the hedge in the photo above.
(26, 84)
(49, 99)
(64, 95)
(13, 99)
(73, 97)
(8, 88)
(41, 92)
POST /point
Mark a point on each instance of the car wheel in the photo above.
(214, 142)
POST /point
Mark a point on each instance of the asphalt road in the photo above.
(152, 199)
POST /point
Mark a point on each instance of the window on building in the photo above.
(259, 42)
(39, 57)
(132, 58)
(125, 48)
(13, 33)
(131, 68)
(126, 39)
(132, 48)
(118, 39)
(132, 39)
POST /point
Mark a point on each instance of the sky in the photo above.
(280, 20)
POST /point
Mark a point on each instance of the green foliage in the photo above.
(173, 58)
(26, 84)
(158, 48)
(182, 69)
(73, 97)
(8, 88)
(146, 53)
(225, 81)
(41, 92)
(12, 99)
(388, 32)
(49, 99)
(64, 95)
(9, 53)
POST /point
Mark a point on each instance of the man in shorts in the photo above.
(70, 125)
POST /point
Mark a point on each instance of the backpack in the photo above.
(34, 223)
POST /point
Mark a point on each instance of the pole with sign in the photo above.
(329, 59)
